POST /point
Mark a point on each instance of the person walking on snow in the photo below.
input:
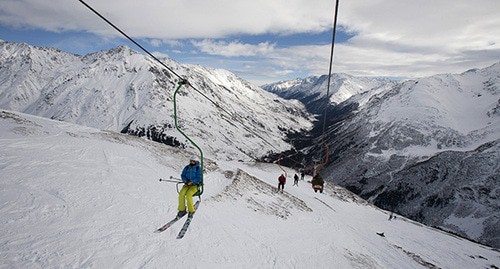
(302, 174)
(191, 176)
(296, 180)
(281, 182)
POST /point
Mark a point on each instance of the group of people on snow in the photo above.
(317, 182)
(192, 175)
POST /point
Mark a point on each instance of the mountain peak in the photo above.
(122, 90)
(119, 53)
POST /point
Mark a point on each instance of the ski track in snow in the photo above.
(76, 197)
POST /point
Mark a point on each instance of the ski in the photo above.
(167, 225)
(184, 228)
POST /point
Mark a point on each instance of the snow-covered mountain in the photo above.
(312, 90)
(122, 90)
(426, 148)
(78, 197)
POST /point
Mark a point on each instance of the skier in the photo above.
(296, 180)
(317, 183)
(281, 182)
(302, 174)
(392, 216)
(191, 176)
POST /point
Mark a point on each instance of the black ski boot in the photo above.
(181, 214)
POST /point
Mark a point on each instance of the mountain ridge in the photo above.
(377, 134)
(377, 137)
(122, 90)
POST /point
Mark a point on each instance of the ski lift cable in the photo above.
(282, 157)
(145, 50)
(129, 38)
(327, 101)
(330, 66)
(183, 80)
(279, 160)
(320, 166)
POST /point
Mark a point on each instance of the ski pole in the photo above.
(173, 181)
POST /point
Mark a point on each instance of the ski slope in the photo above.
(78, 197)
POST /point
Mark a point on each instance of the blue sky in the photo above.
(267, 41)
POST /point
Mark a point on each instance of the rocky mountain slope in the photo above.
(122, 90)
(425, 148)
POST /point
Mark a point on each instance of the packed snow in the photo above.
(78, 197)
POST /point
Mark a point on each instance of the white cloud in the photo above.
(233, 49)
(169, 42)
(392, 37)
(160, 55)
(173, 19)
(418, 38)
(155, 42)
(406, 38)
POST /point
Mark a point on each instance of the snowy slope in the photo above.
(73, 196)
(428, 149)
(122, 90)
(467, 105)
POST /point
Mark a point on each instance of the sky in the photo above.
(268, 41)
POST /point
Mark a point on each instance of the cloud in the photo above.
(174, 19)
(160, 55)
(233, 49)
(419, 38)
(389, 37)
(406, 38)
(160, 42)
(155, 42)
(54, 15)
